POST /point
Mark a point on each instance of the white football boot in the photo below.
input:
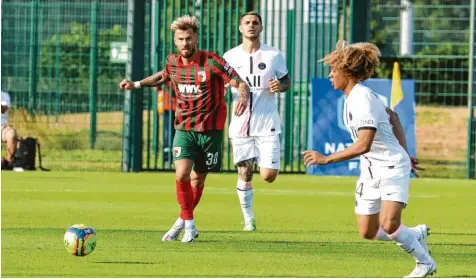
(172, 234)
(423, 270)
(190, 235)
(250, 225)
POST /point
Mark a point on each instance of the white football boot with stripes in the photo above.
(423, 270)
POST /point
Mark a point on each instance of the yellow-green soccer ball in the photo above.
(80, 240)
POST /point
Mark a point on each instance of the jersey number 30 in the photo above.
(212, 159)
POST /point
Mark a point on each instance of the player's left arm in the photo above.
(400, 135)
(282, 83)
(366, 136)
(397, 127)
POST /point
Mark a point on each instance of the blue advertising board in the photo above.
(327, 130)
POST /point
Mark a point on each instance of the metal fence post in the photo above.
(289, 96)
(33, 51)
(93, 65)
(57, 62)
(359, 20)
(471, 88)
(155, 68)
(133, 102)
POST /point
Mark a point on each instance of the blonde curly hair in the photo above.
(186, 22)
(357, 60)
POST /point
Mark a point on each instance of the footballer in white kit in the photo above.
(385, 169)
(255, 135)
(382, 191)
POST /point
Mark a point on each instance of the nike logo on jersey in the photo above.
(388, 194)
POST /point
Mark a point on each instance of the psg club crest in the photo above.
(177, 151)
(262, 66)
(202, 76)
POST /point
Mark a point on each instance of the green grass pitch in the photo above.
(306, 227)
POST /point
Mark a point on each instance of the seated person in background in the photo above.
(9, 134)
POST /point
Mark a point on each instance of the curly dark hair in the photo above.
(357, 60)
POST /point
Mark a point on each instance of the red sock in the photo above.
(197, 194)
(185, 199)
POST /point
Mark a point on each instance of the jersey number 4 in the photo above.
(360, 189)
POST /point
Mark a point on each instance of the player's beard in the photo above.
(191, 52)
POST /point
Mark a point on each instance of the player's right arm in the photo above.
(154, 80)
(400, 135)
(397, 127)
(243, 92)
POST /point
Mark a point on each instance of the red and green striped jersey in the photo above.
(200, 90)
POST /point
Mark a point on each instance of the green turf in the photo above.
(306, 228)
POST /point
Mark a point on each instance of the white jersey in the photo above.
(364, 110)
(5, 102)
(256, 69)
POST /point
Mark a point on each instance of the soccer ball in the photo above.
(80, 240)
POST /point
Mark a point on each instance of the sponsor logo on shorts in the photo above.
(177, 151)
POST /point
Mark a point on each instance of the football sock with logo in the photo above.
(245, 195)
(197, 194)
(407, 241)
(185, 199)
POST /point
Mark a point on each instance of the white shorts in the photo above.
(370, 192)
(266, 150)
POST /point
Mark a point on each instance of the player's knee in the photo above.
(245, 170)
(269, 175)
(367, 233)
(248, 176)
(270, 178)
(198, 181)
(182, 177)
(390, 225)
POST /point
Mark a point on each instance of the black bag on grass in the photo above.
(26, 154)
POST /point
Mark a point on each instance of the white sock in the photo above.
(382, 235)
(180, 223)
(245, 195)
(189, 224)
(406, 240)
